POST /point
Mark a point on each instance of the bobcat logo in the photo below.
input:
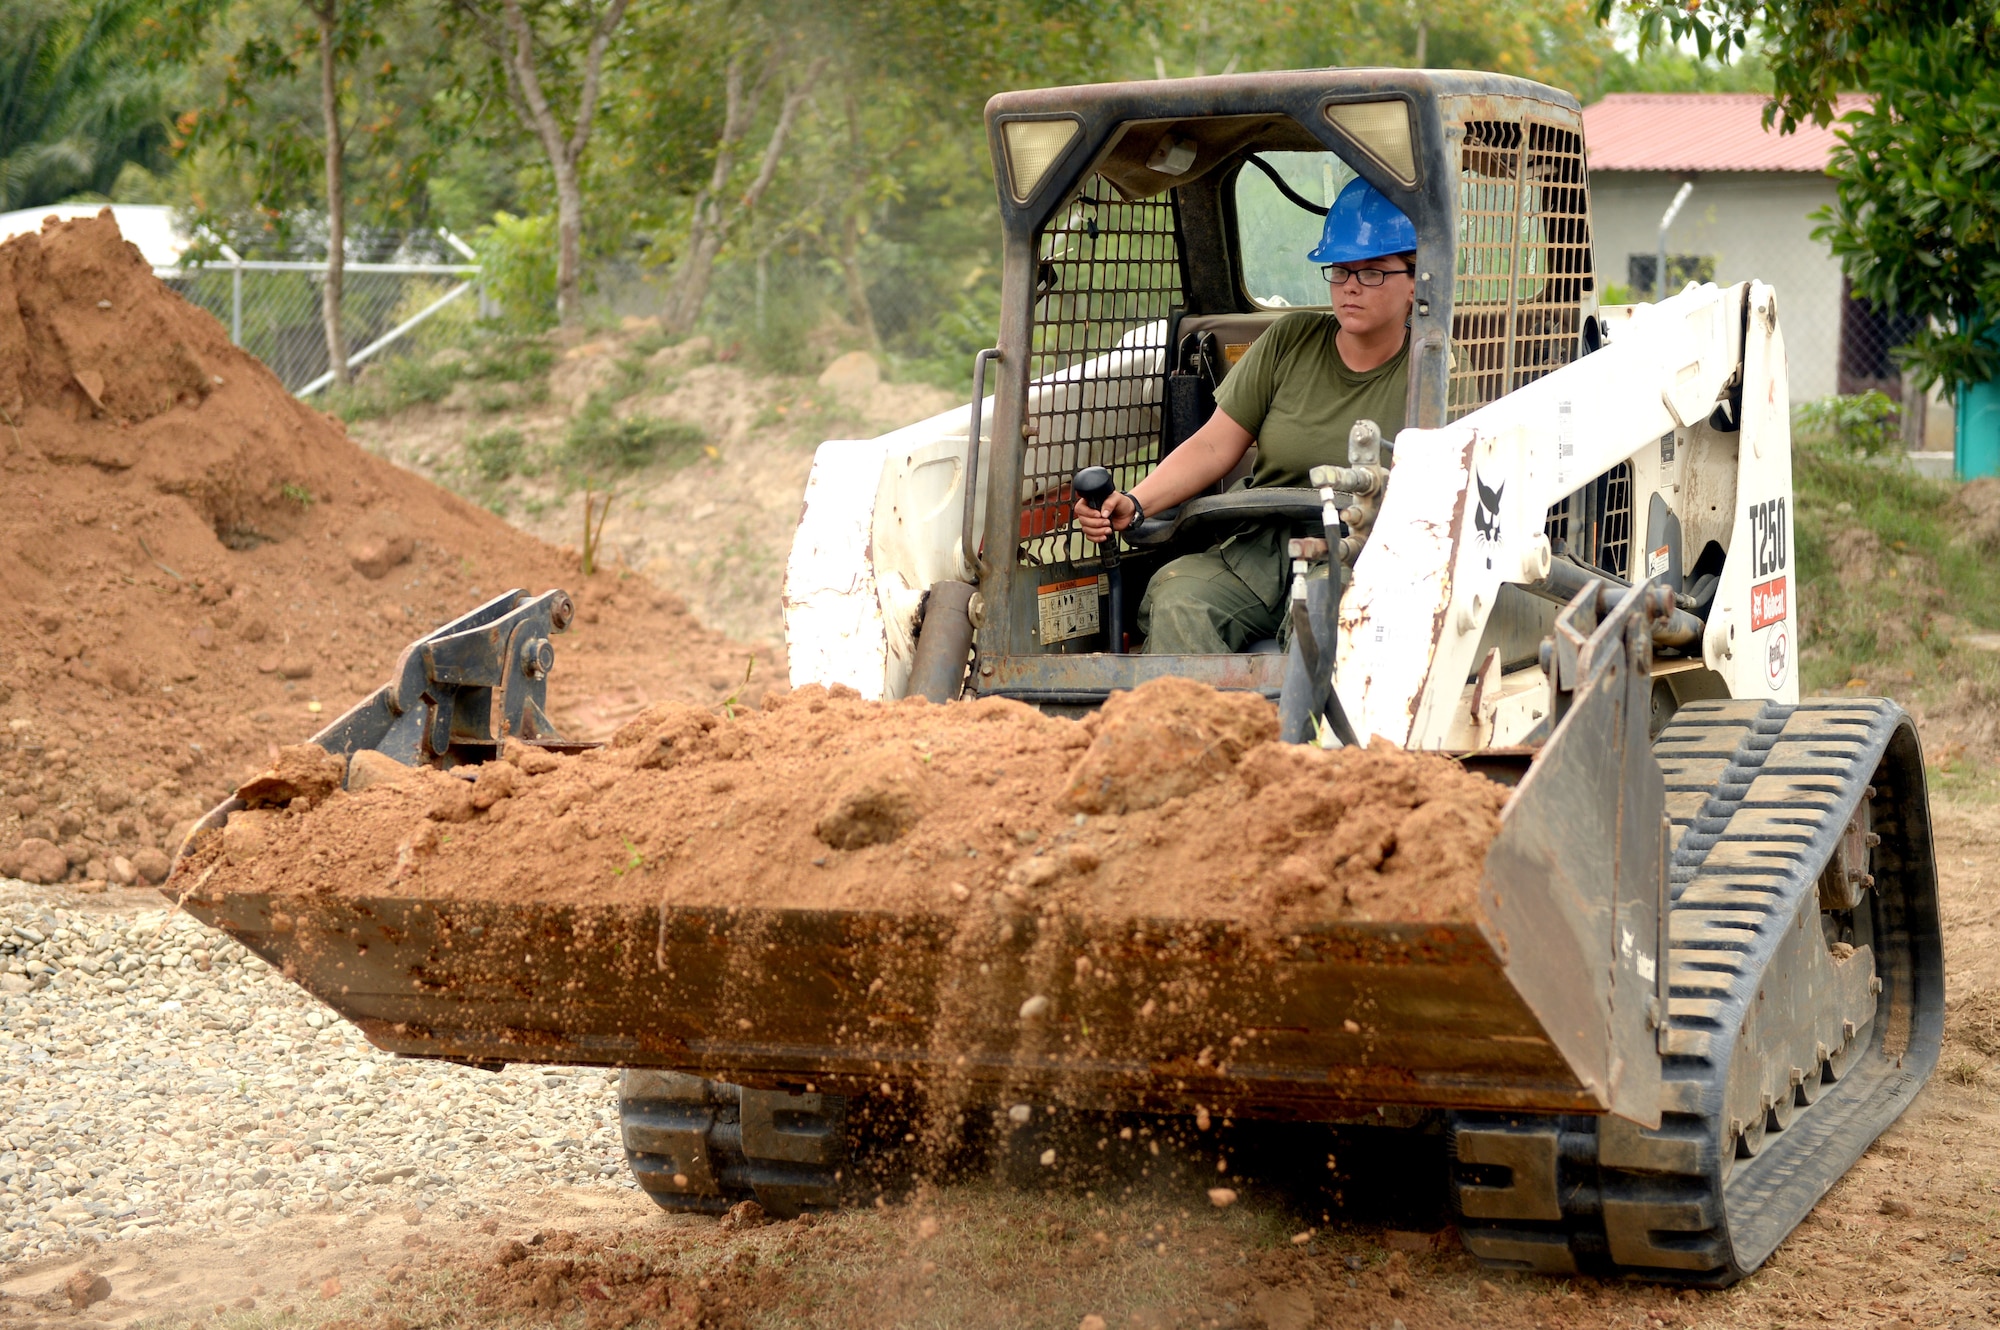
(1486, 518)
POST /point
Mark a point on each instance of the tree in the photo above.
(78, 96)
(719, 210)
(294, 83)
(1554, 41)
(343, 27)
(550, 59)
(1916, 222)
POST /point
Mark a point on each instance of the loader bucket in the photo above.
(1545, 997)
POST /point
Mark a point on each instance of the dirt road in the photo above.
(1910, 1238)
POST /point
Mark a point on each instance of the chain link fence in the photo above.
(275, 309)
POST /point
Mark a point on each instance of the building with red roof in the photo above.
(1748, 214)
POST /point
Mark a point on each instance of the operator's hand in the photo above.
(1098, 524)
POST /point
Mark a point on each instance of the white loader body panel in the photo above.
(880, 522)
(1465, 507)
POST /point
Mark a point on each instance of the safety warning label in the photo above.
(1068, 609)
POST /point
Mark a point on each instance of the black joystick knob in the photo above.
(1094, 486)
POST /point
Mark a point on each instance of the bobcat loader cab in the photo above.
(1152, 232)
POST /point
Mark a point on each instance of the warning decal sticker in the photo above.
(1067, 609)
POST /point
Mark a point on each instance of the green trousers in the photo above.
(1220, 600)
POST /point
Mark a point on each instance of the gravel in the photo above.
(157, 1077)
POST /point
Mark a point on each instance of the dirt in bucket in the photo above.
(1175, 801)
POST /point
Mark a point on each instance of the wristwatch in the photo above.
(1138, 510)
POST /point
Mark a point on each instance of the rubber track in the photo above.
(1745, 857)
(685, 1142)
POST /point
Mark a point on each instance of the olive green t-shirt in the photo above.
(1298, 397)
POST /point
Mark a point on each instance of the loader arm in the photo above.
(1691, 393)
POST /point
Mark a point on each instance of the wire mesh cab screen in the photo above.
(1107, 279)
(1523, 258)
(1523, 265)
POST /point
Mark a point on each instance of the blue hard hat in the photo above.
(1362, 224)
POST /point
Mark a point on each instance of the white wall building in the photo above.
(1749, 214)
(149, 226)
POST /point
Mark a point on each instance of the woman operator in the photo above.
(1296, 393)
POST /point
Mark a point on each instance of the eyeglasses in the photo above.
(1339, 273)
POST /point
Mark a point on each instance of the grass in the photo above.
(403, 381)
(1892, 582)
(1927, 584)
(390, 386)
(599, 442)
(497, 455)
(510, 360)
(510, 397)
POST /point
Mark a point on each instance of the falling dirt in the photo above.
(195, 568)
(1175, 801)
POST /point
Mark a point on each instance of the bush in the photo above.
(781, 342)
(406, 380)
(517, 257)
(1863, 424)
(498, 455)
(600, 441)
(510, 359)
(388, 386)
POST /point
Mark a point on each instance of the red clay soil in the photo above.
(196, 568)
(1176, 800)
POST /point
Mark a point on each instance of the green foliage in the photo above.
(880, 227)
(600, 443)
(253, 133)
(392, 385)
(297, 493)
(510, 359)
(779, 341)
(1662, 68)
(80, 96)
(1859, 424)
(1917, 221)
(1814, 49)
(497, 455)
(1890, 582)
(517, 256)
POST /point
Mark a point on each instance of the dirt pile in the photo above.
(1976, 508)
(821, 800)
(196, 568)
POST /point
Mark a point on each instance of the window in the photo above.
(1681, 269)
(1868, 334)
(1274, 234)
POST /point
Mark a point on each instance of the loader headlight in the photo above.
(1381, 127)
(1032, 148)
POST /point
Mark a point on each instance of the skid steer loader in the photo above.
(1705, 970)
